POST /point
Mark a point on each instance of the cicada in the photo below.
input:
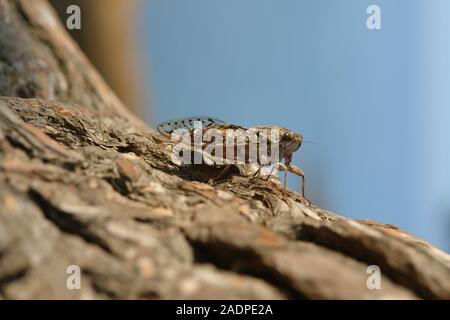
(257, 151)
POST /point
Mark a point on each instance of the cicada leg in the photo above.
(295, 170)
(299, 172)
(222, 173)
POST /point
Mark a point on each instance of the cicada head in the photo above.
(289, 143)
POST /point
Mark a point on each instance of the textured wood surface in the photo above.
(83, 182)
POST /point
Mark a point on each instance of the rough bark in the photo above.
(83, 182)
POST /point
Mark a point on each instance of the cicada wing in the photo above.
(189, 123)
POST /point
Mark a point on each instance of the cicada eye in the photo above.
(286, 136)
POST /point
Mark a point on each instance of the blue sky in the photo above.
(374, 102)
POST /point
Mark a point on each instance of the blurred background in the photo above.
(375, 103)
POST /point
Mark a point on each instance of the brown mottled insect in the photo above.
(281, 143)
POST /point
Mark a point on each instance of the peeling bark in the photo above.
(83, 182)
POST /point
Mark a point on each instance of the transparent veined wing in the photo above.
(170, 126)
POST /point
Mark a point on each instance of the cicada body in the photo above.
(256, 151)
